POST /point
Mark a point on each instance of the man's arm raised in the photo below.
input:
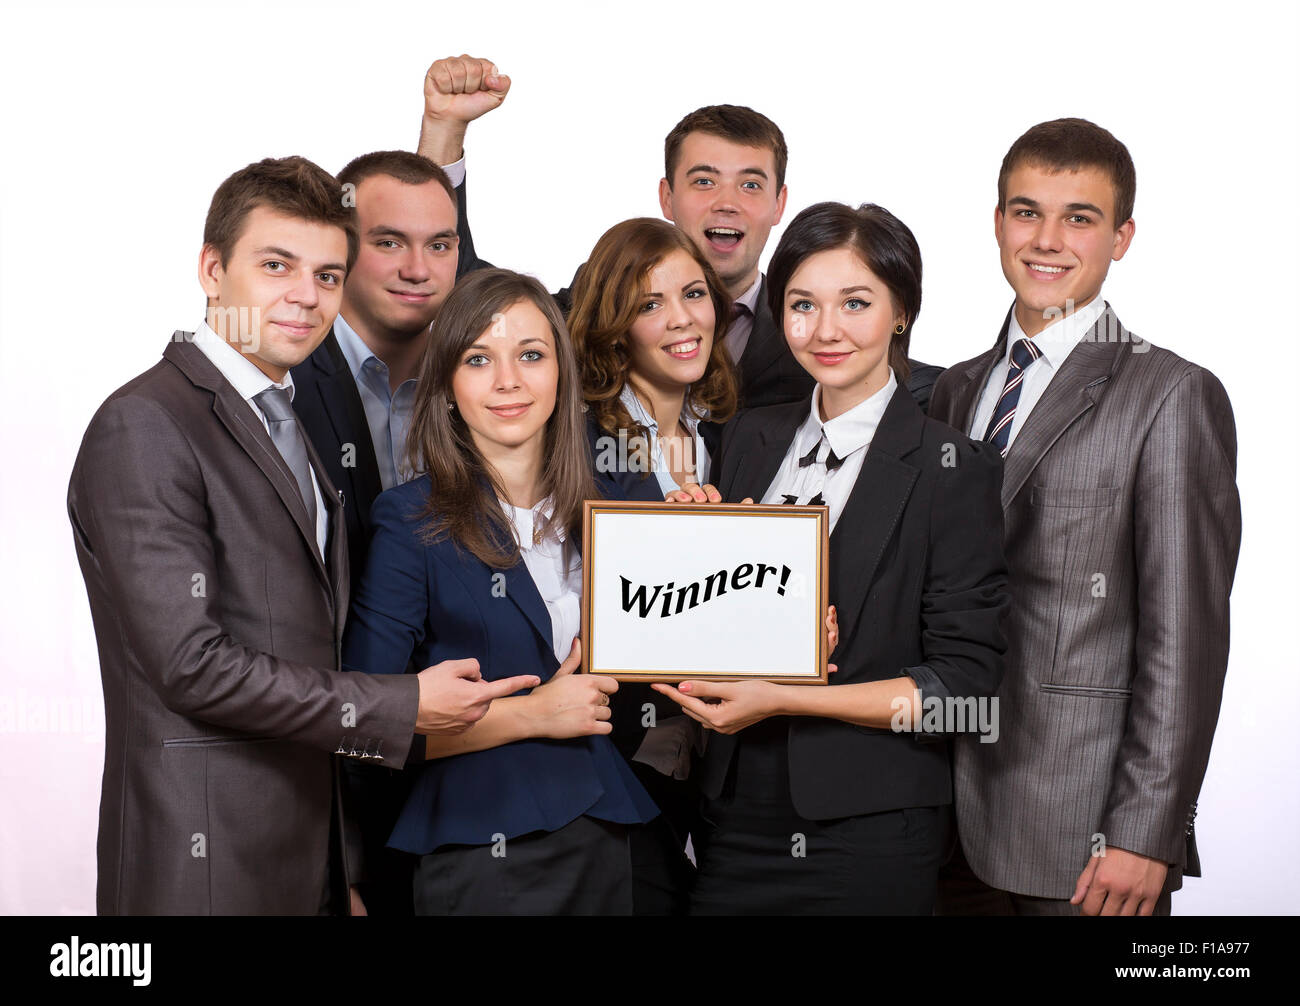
(457, 90)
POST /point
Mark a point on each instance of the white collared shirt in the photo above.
(557, 576)
(1055, 342)
(658, 463)
(388, 412)
(848, 435)
(244, 376)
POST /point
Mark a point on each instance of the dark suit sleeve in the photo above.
(1186, 535)
(389, 614)
(921, 381)
(469, 260)
(138, 502)
(939, 401)
(964, 599)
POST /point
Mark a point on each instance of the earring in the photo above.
(451, 406)
(900, 329)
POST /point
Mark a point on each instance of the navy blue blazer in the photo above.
(439, 602)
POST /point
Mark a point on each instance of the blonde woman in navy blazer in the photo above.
(837, 799)
(527, 811)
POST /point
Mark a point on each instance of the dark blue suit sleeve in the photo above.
(389, 615)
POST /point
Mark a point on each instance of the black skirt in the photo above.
(583, 868)
(757, 855)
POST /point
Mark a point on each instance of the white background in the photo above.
(120, 121)
(750, 630)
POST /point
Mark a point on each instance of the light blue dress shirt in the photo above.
(388, 412)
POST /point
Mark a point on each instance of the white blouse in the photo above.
(560, 587)
(658, 463)
(847, 436)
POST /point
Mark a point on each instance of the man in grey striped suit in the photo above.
(1122, 530)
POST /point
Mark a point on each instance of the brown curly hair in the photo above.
(606, 300)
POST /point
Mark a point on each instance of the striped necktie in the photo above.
(1023, 353)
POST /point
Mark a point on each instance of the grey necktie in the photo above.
(287, 437)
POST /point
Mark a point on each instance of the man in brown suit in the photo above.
(1122, 530)
(215, 559)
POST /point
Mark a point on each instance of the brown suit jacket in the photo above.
(1123, 525)
(219, 631)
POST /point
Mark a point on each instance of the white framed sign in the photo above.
(707, 591)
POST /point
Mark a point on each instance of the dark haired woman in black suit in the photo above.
(837, 799)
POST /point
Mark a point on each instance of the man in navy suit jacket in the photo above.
(723, 184)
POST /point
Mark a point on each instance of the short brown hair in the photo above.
(736, 123)
(290, 185)
(1071, 144)
(462, 504)
(413, 169)
(606, 301)
(885, 245)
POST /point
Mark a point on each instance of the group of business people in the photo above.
(332, 551)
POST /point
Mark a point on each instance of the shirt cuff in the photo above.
(456, 172)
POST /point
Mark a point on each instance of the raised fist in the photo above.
(461, 88)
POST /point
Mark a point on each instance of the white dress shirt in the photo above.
(558, 577)
(658, 463)
(848, 435)
(1055, 342)
(388, 412)
(247, 380)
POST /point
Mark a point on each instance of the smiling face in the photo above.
(505, 384)
(725, 198)
(839, 319)
(406, 263)
(670, 341)
(277, 294)
(1057, 239)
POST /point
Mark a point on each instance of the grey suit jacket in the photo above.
(219, 631)
(1123, 525)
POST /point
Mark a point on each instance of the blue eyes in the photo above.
(482, 360)
(852, 304)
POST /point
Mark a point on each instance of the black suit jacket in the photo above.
(919, 579)
(329, 408)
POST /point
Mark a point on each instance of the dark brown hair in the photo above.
(1069, 145)
(463, 500)
(412, 169)
(606, 301)
(290, 185)
(736, 123)
(883, 242)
